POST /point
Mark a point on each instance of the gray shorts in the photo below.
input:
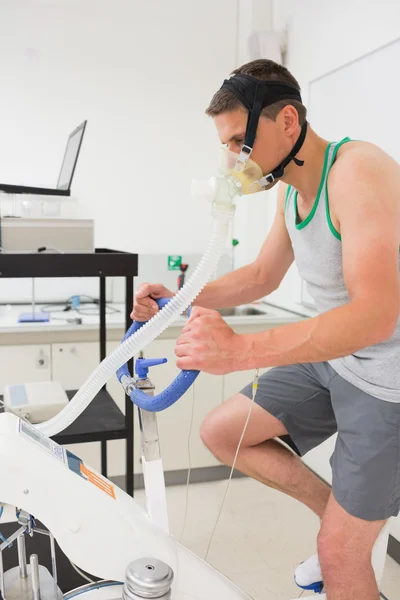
(313, 402)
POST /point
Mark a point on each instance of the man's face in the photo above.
(270, 146)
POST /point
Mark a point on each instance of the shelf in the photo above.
(102, 420)
(103, 262)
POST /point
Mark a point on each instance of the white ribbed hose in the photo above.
(223, 215)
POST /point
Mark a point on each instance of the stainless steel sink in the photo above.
(241, 311)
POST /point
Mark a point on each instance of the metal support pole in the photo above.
(23, 573)
(33, 299)
(153, 472)
(34, 561)
(103, 340)
(129, 412)
(2, 590)
(12, 538)
(53, 557)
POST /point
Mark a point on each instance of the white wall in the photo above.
(254, 214)
(142, 73)
(326, 35)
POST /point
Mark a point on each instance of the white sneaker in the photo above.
(308, 575)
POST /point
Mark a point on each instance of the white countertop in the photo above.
(59, 320)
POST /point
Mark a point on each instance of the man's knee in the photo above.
(214, 430)
(223, 427)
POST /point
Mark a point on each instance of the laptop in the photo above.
(66, 173)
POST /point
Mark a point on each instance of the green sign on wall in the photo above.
(174, 262)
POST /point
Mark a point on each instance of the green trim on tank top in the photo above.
(328, 215)
(289, 187)
(316, 202)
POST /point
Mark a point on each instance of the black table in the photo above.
(102, 420)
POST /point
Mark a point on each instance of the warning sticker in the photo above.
(98, 481)
(76, 465)
(30, 433)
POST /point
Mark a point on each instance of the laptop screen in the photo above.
(71, 158)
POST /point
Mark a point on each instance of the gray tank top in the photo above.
(318, 254)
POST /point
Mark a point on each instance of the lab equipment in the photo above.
(37, 401)
(35, 316)
(137, 559)
(31, 235)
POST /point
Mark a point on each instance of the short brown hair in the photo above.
(267, 70)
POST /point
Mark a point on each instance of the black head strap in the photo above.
(255, 94)
(279, 171)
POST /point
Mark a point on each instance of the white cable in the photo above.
(80, 573)
(55, 250)
(255, 386)
(190, 465)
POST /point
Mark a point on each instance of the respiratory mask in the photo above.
(246, 178)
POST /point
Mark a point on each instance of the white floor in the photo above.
(262, 535)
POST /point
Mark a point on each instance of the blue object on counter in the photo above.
(39, 317)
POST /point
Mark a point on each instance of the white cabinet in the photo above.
(73, 363)
(23, 364)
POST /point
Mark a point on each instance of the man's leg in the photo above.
(260, 456)
(365, 489)
(345, 545)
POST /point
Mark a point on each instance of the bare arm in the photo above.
(259, 278)
(365, 191)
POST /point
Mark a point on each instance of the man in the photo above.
(338, 217)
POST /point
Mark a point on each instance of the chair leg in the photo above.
(104, 458)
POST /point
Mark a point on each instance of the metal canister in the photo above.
(147, 578)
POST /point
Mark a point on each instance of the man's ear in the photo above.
(290, 119)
